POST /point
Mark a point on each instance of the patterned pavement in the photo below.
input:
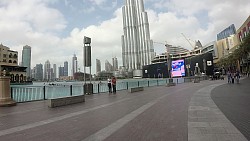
(155, 114)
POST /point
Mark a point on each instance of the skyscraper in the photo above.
(47, 71)
(137, 48)
(66, 68)
(61, 71)
(115, 64)
(74, 65)
(54, 71)
(26, 59)
(98, 66)
(39, 72)
(108, 66)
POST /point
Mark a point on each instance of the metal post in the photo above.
(138, 83)
(148, 83)
(127, 85)
(71, 90)
(44, 93)
(11, 92)
(98, 88)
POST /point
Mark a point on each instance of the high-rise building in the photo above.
(98, 66)
(137, 47)
(115, 64)
(54, 72)
(47, 71)
(74, 65)
(61, 71)
(39, 72)
(66, 68)
(226, 32)
(26, 59)
(108, 66)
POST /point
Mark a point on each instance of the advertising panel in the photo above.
(178, 68)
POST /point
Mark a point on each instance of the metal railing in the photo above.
(24, 93)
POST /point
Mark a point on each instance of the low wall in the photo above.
(56, 102)
(131, 90)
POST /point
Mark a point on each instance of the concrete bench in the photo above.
(62, 101)
(131, 90)
(170, 84)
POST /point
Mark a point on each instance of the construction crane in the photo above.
(188, 40)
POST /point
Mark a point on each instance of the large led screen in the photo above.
(178, 68)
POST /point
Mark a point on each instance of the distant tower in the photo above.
(74, 65)
(98, 66)
(115, 64)
(137, 47)
(47, 71)
(26, 59)
(54, 71)
(61, 71)
(39, 72)
(108, 66)
(66, 68)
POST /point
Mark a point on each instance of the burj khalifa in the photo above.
(137, 47)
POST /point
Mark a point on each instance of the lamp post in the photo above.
(88, 88)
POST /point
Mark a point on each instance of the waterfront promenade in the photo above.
(183, 112)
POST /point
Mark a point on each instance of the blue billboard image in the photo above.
(178, 68)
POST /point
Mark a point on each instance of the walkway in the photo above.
(155, 114)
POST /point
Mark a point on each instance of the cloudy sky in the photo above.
(55, 28)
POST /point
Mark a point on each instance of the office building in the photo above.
(98, 66)
(26, 59)
(47, 71)
(115, 64)
(226, 32)
(66, 68)
(39, 72)
(54, 74)
(61, 72)
(137, 47)
(108, 66)
(74, 65)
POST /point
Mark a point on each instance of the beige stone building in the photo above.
(9, 65)
(225, 47)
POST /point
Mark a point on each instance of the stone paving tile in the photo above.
(233, 101)
(203, 115)
(166, 119)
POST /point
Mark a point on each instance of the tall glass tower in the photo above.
(66, 66)
(47, 71)
(137, 47)
(26, 59)
(74, 65)
(98, 66)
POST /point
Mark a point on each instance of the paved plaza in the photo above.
(205, 111)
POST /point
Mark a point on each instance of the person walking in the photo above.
(114, 84)
(237, 76)
(229, 77)
(109, 85)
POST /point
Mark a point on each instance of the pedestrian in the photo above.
(228, 77)
(237, 76)
(109, 85)
(232, 78)
(114, 84)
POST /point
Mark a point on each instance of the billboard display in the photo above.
(178, 68)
